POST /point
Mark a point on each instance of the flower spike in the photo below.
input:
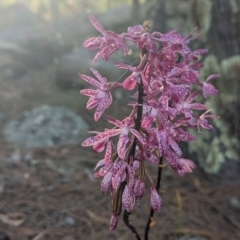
(166, 86)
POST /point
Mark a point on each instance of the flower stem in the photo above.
(129, 225)
(133, 149)
(152, 211)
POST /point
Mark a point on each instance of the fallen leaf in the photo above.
(152, 224)
(96, 217)
(39, 236)
(7, 219)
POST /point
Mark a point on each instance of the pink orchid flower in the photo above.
(101, 97)
(123, 130)
(209, 89)
(107, 44)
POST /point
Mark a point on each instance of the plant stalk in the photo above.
(133, 149)
(151, 210)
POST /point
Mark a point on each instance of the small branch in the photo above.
(129, 225)
(152, 211)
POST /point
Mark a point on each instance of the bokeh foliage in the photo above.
(50, 9)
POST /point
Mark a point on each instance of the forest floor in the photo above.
(51, 193)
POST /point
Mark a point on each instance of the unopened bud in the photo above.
(113, 222)
(155, 199)
(139, 189)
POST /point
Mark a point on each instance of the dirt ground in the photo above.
(51, 193)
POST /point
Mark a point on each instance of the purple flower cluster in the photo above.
(168, 74)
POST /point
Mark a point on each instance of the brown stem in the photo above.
(132, 153)
(137, 126)
(152, 211)
(129, 225)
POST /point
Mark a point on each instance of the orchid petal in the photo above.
(192, 96)
(100, 137)
(198, 106)
(130, 83)
(138, 136)
(128, 199)
(89, 92)
(114, 121)
(155, 199)
(121, 147)
(90, 80)
(103, 80)
(96, 24)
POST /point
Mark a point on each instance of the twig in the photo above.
(129, 225)
(152, 211)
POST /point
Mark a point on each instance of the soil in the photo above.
(50, 193)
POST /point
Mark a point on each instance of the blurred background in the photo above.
(47, 188)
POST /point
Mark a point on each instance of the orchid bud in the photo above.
(155, 200)
(113, 222)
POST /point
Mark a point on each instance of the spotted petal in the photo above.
(155, 199)
(192, 96)
(174, 146)
(137, 135)
(90, 80)
(103, 80)
(113, 222)
(185, 136)
(198, 106)
(93, 43)
(100, 137)
(128, 199)
(89, 92)
(106, 181)
(115, 121)
(209, 89)
(188, 166)
(96, 24)
(130, 82)
(100, 110)
(92, 102)
(121, 147)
